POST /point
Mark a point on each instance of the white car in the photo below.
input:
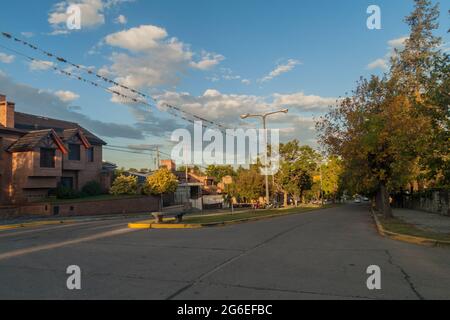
(357, 200)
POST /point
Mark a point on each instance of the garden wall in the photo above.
(436, 201)
(95, 207)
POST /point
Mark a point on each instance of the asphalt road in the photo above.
(320, 255)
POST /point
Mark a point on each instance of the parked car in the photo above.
(366, 199)
(357, 200)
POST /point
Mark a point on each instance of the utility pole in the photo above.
(264, 121)
(158, 159)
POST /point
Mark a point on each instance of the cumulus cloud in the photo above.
(226, 108)
(280, 69)
(137, 39)
(66, 96)
(92, 13)
(40, 65)
(378, 64)
(151, 58)
(5, 58)
(394, 46)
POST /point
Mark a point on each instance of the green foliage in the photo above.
(162, 181)
(92, 188)
(218, 172)
(394, 131)
(124, 185)
(63, 192)
(297, 168)
(248, 185)
(331, 177)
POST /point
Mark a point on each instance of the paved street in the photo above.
(321, 255)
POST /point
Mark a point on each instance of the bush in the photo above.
(124, 185)
(67, 193)
(92, 188)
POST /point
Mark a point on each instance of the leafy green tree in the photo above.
(124, 185)
(388, 132)
(297, 167)
(218, 172)
(331, 177)
(248, 185)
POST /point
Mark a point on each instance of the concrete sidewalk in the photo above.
(424, 220)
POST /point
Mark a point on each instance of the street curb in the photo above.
(32, 224)
(406, 238)
(151, 225)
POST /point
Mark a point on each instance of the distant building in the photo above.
(38, 154)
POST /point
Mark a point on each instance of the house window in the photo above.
(195, 193)
(74, 152)
(90, 154)
(67, 182)
(48, 158)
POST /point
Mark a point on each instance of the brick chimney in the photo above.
(6, 112)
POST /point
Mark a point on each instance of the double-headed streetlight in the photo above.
(264, 120)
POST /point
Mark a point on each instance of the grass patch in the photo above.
(399, 226)
(103, 197)
(249, 215)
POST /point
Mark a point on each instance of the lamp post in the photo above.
(264, 121)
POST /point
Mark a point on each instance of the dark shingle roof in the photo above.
(29, 122)
(30, 140)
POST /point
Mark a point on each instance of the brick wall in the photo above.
(88, 208)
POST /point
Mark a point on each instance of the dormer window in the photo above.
(74, 152)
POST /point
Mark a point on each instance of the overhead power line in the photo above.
(101, 77)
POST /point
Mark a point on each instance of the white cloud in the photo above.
(5, 58)
(227, 107)
(378, 64)
(208, 61)
(27, 34)
(66, 96)
(40, 65)
(121, 19)
(153, 58)
(92, 13)
(246, 81)
(137, 39)
(280, 69)
(394, 45)
(304, 102)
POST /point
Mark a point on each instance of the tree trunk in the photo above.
(384, 205)
(285, 199)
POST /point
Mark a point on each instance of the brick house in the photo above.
(38, 154)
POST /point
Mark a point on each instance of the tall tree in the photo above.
(375, 134)
(331, 177)
(298, 164)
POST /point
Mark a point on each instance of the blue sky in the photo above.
(217, 59)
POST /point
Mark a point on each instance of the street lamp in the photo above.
(264, 120)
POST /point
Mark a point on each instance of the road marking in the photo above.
(21, 252)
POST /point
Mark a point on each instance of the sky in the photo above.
(216, 59)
